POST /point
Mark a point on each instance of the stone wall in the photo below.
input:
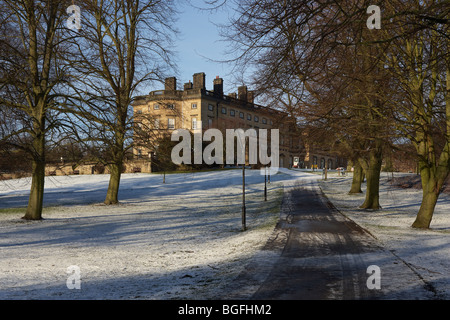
(134, 166)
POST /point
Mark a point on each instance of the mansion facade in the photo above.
(163, 111)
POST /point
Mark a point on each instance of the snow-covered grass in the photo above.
(178, 240)
(427, 252)
(183, 239)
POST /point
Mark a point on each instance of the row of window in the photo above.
(171, 123)
(241, 114)
(211, 108)
(156, 107)
(169, 106)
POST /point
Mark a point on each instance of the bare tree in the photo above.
(402, 76)
(121, 46)
(31, 43)
(301, 52)
(419, 58)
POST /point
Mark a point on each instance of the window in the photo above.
(171, 106)
(210, 107)
(171, 123)
(194, 123)
(156, 107)
(256, 119)
(193, 106)
(224, 110)
(249, 116)
(271, 122)
(232, 112)
(241, 115)
(157, 123)
(210, 122)
(264, 120)
(139, 111)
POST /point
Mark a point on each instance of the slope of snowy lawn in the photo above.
(178, 240)
(427, 252)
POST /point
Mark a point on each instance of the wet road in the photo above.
(324, 255)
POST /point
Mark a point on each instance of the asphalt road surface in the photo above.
(318, 254)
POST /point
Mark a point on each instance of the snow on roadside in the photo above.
(427, 252)
(179, 240)
(182, 239)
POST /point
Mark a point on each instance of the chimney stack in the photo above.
(171, 84)
(188, 85)
(251, 96)
(199, 81)
(242, 93)
(218, 86)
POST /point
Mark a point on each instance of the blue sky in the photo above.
(199, 43)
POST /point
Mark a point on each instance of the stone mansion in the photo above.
(195, 107)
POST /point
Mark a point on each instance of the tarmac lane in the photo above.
(324, 255)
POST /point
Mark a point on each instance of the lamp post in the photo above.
(265, 183)
(244, 227)
(241, 141)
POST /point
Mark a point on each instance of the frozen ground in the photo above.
(183, 239)
(426, 252)
(179, 240)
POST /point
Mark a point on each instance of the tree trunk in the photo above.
(35, 201)
(425, 214)
(358, 176)
(372, 170)
(112, 195)
(433, 179)
(372, 200)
